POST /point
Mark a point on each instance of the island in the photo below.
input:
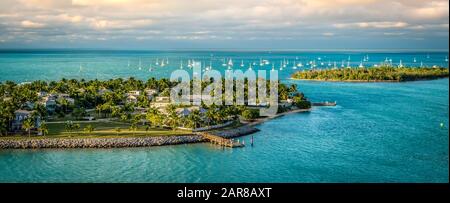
(373, 74)
(72, 113)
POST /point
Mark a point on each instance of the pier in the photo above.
(220, 140)
(324, 103)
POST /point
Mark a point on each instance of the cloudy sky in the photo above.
(242, 24)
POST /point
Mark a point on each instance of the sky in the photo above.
(225, 24)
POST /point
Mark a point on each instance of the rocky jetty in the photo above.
(236, 132)
(97, 142)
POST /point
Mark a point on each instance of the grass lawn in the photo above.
(102, 130)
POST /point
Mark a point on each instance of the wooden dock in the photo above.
(220, 140)
(324, 104)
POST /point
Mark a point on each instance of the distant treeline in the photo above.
(373, 74)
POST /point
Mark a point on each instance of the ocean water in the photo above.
(379, 132)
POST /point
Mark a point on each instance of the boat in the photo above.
(230, 62)
(400, 65)
(273, 67)
(140, 64)
(224, 62)
(181, 64)
(446, 59)
(414, 60)
(361, 65)
(242, 63)
(157, 62)
(324, 103)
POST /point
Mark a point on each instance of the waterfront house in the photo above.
(20, 116)
(150, 93)
(42, 94)
(135, 93)
(66, 97)
(160, 102)
(132, 99)
(49, 102)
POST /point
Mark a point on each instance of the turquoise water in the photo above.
(379, 132)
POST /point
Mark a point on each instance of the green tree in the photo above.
(27, 125)
(89, 129)
(43, 129)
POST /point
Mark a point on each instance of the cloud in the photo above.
(205, 20)
(31, 24)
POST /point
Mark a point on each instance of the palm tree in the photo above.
(194, 118)
(172, 119)
(154, 117)
(133, 127)
(89, 129)
(27, 125)
(43, 128)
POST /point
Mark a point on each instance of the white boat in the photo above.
(250, 67)
(361, 65)
(224, 62)
(242, 63)
(162, 63)
(446, 59)
(128, 63)
(181, 64)
(266, 62)
(400, 65)
(273, 67)
(414, 60)
(230, 62)
(140, 65)
(157, 62)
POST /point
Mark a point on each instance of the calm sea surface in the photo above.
(379, 132)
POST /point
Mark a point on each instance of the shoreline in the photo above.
(30, 143)
(367, 81)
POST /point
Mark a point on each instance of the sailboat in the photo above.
(446, 59)
(167, 61)
(81, 69)
(242, 63)
(224, 62)
(414, 60)
(348, 64)
(361, 65)
(230, 62)
(250, 67)
(421, 64)
(273, 67)
(150, 69)
(400, 65)
(181, 64)
(294, 66)
(334, 65)
(281, 65)
(342, 64)
(157, 62)
(128, 63)
(140, 65)
(163, 63)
